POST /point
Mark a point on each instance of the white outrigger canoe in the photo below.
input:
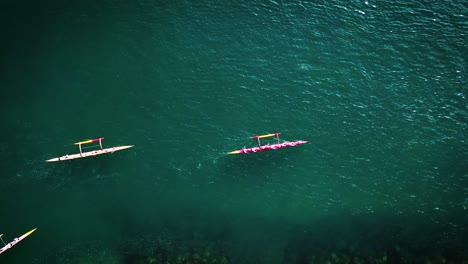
(89, 153)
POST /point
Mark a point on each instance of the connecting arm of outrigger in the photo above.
(88, 142)
(265, 136)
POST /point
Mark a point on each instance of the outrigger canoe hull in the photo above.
(15, 241)
(89, 153)
(269, 147)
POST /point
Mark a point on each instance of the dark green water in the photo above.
(379, 89)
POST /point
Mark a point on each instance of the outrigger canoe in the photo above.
(15, 241)
(278, 145)
(89, 153)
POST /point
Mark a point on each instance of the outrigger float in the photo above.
(14, 242)
(89, 153)
(278, 145)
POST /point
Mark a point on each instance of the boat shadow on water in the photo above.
(256, 166)
(83, 171)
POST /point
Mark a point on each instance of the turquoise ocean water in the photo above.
(378, 88)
